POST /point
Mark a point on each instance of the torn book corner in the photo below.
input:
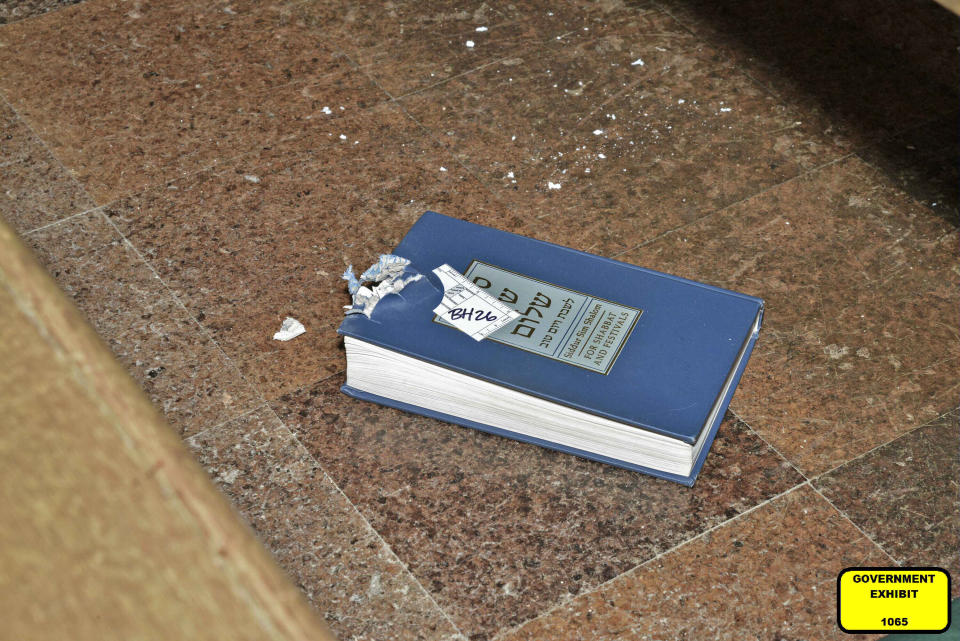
(390, 274)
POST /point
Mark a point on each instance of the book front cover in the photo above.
(613, 339)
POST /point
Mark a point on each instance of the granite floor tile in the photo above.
(858, 344)
(498, 530)
(407, 46)
(508, 119)
(35, 189)
(16, 139)
(858, 70)
(353, 27)
(163, 349)
(249, 244)
(605, 152)
(339, 562)
(904, 495)
(418, 61)
(14, 10)
(923, 162)
(769, 575)
(128, 97)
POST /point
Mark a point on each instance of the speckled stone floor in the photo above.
(192, 172)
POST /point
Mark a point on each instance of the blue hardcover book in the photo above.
(606, 360)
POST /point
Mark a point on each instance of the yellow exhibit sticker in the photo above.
(893, 600)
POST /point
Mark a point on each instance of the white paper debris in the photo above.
(290, 328)
(481, 29)
(443, 168)
(553, 185)
(468, 308)
(250, 178)
(390, 274)
(637, 63)
(326, 110)
(470, 44)
(598, 132)
(343, 137)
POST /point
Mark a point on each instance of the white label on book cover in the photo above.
(559, 323)
(468, 308)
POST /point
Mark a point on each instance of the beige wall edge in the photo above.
(952, 5)
(111, 530)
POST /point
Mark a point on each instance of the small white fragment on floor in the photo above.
(481, 29)
(509, 174)
(600, 156)
(443, 169)
(551, 185)
(343, 137)
(327, 110)
(291, 328)
(598, 132)
(637, 63)
(470, 44)
(681, 101)
(725, 109)
(250, 178)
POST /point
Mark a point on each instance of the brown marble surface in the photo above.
(923, 162)
(904, 495)
(500, 530)
(782, 558)
(850, 269)
(858, 70)
(36, 189)
(164, 350)
(342, 565)
(133, 95)
(607, 154)
(249, 151)
(213, 236)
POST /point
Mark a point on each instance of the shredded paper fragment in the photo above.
(291, 328)
(390, 275)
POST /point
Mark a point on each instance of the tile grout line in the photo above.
(57, 160)
(213, 341)
(847, 518)
(266, 404)
(424, 130)
(767, 443)
(809, 481)
(500, 634)
(812, 480)
(216, 426)
(882, 445)
(60, 221)
(768, 188)
(366, 522)
(38, 16)
(229, 362)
